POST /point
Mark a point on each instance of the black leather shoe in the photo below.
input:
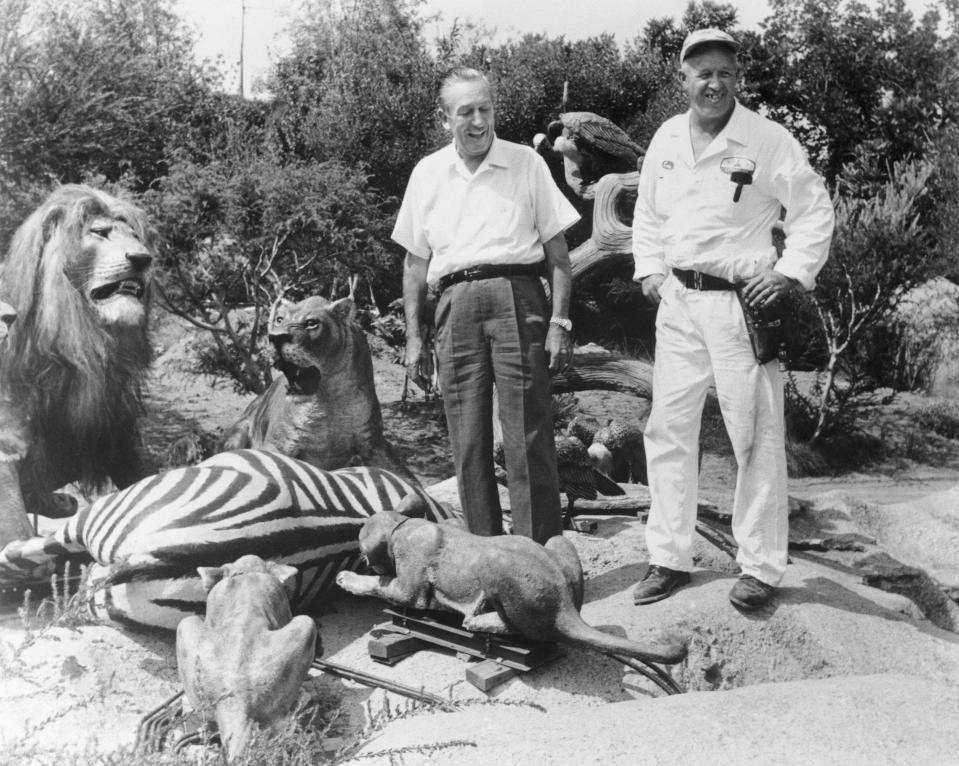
(749, 593)
(658, 583)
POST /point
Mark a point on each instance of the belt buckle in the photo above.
(471, 273)
(698, 280)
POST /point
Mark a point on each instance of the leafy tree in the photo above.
(359, 88)
(105, 84)
(840, 74)
(664, 36)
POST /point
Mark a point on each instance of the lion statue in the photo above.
(323, 407)
(78, 276)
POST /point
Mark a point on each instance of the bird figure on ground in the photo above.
(618, 450)
(578, 479)
(592, 146)
(583, 427)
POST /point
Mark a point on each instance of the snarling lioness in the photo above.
(323, 408)
(78, 276)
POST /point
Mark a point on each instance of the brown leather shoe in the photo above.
(658, 583)
(749, 593)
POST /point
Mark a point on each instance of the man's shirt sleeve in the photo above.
(648, 253)
(552, 212)
(409, 231)
(809, 220)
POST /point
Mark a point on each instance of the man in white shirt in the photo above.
(481, 221)
(714, 182)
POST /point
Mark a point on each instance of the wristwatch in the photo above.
(566, 324)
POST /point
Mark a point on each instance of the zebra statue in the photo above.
(148, 539)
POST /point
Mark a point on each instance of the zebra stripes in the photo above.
(149, 538)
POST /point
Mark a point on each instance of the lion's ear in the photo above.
(53, 218)
(278, 312)
(413, 506)
(210, 576)
(286, 574)
(344, 309)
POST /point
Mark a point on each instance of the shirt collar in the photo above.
(497, 156)
(736, 129)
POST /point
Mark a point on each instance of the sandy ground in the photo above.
(833, 671)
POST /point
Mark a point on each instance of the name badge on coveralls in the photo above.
(740, 171)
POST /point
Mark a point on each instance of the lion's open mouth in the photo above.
(132, 287)
(300, 380)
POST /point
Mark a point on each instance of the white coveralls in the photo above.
(686, 218)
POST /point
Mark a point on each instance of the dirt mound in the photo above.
(825, 623)
(833, 671)
(877, 720)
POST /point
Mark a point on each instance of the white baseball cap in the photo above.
(702, 36)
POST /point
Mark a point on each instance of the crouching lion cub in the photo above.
(500, 584)
(244, 665)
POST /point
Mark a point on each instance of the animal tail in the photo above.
(577, 631)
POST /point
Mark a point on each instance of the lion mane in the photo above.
(69, 374)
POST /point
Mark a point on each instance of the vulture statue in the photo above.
(591, 146)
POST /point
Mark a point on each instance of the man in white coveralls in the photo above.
(714, 182)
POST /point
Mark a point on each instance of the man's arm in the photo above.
(808, 227)
(648, 267)
(559, 343)
(419, 362)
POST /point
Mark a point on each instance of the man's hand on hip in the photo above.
(768, 288)
(652, 285)
(559, 349)
(419, 363)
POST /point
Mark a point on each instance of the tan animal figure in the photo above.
(243, 666)
(499, 584)
(323, 408)
(78, 275)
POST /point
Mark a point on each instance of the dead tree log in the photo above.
(610, 243)
(596, 368)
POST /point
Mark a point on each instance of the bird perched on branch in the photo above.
(592, 146)
(618, 451)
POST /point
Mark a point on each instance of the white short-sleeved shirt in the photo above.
(501, 214)
(686, 218)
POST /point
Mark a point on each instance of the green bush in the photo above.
(941, 417)
(244, 232)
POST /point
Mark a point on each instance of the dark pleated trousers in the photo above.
(493, 331)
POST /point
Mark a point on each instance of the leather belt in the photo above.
(489, 271)
(696, 280)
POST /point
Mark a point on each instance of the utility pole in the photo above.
(242, 33)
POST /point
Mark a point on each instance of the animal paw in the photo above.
(350, 582)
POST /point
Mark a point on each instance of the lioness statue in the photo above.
(78, 275)
(323, 408)
(243, 665)
(502, 584)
